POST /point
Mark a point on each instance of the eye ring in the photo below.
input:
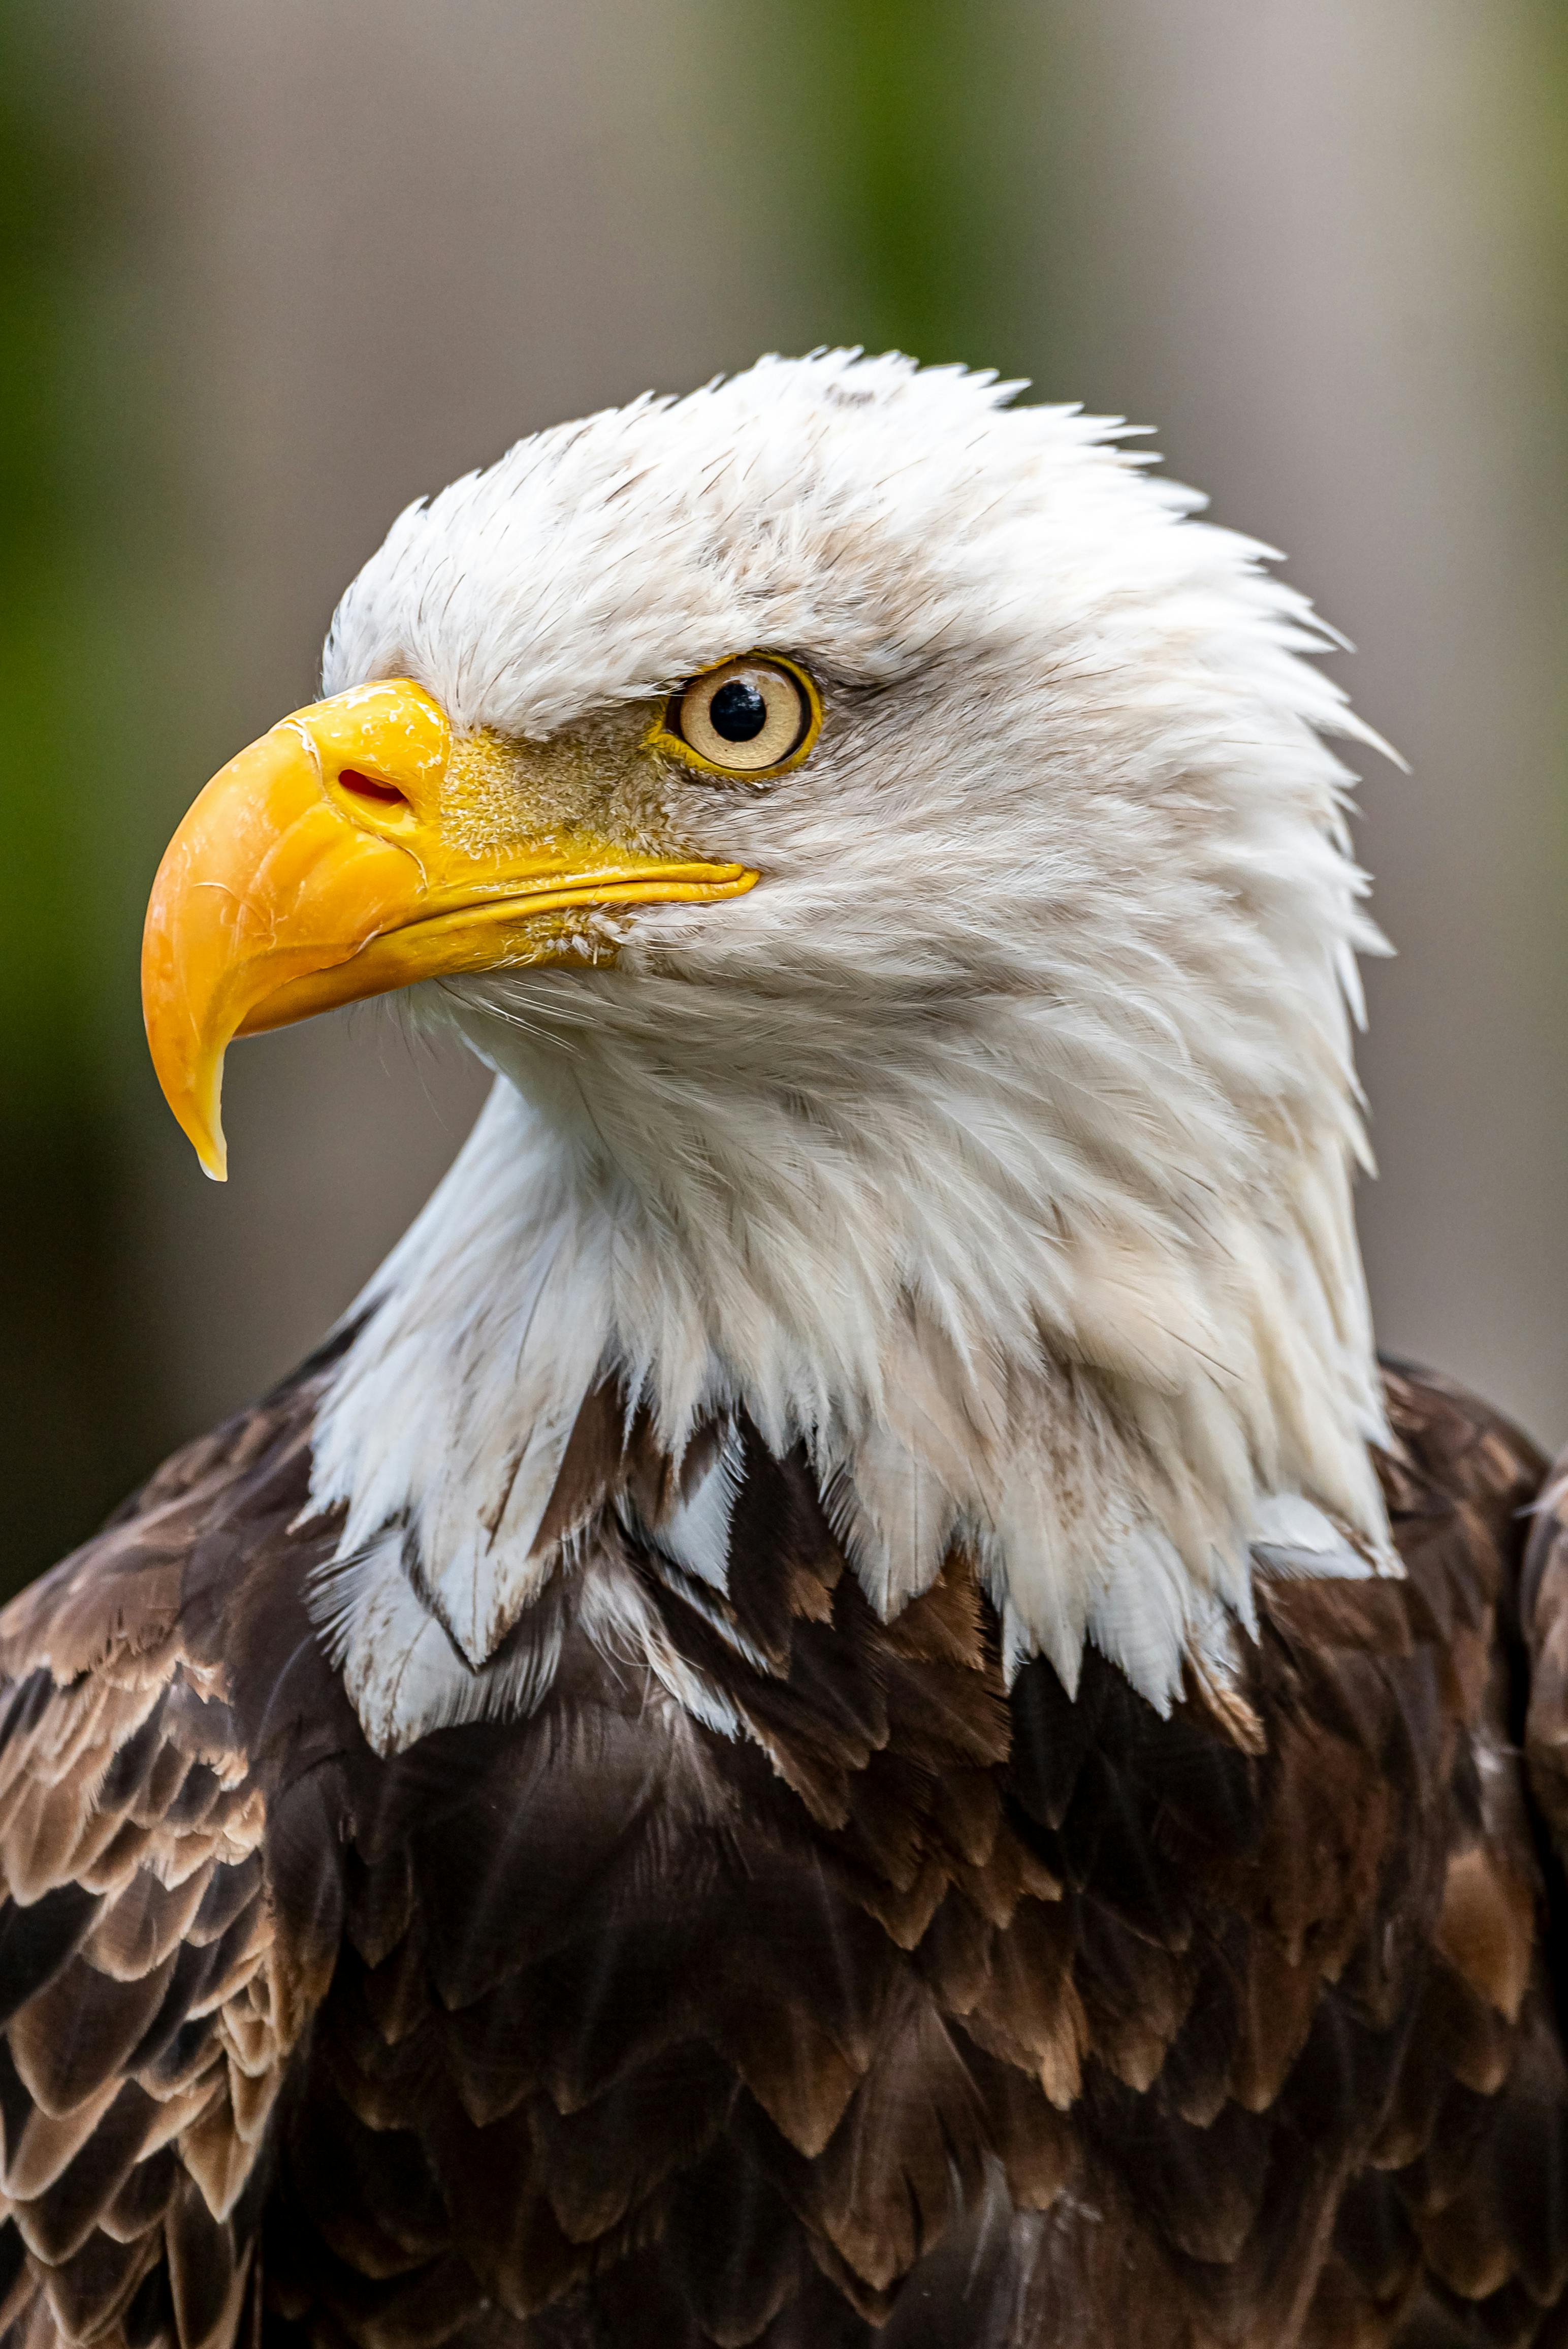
(749, 718)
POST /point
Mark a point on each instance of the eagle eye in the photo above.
(754, 716)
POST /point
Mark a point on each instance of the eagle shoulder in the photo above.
(149, 1995)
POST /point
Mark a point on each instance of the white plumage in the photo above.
(998, 1145)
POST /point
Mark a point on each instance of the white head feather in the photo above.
(999, 1144)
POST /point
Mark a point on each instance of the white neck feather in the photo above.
(1111, 1360)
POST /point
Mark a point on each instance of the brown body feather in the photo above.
(924, 2014)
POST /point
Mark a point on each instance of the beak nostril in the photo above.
(366, 787)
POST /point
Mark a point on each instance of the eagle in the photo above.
(845, 1709)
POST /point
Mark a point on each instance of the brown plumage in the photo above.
(927, 2014)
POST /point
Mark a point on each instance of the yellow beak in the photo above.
(340, 857)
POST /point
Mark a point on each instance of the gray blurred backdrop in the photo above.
(269, 271)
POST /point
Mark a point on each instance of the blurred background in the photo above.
(268, 272)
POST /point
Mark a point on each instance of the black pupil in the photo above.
(738, 712)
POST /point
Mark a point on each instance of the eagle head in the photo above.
(889, 853)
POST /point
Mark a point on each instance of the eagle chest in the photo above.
(923, 1988)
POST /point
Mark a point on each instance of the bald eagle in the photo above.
(845, 1708)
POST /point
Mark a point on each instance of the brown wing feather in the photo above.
(150, 1998)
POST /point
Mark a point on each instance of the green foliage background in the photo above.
(90, 636)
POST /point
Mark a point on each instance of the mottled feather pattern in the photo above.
(922, 2012)
(148, 2005)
